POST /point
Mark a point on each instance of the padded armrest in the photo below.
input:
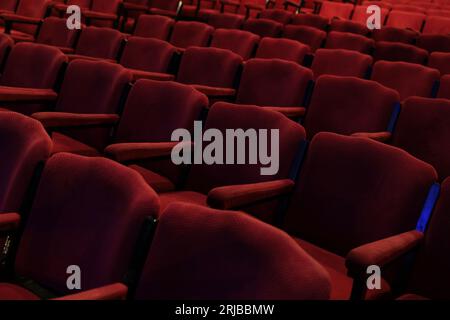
(290, 112)
(381, 252)
(9, 221)
(11, 17)
(230, 3)
(117, 291)
(13, 94)
(72, 57)
(214, 91)
(383, 136)
(62, 119)
(123, 152)
(99, 15)
(237, 196)
(140, 74)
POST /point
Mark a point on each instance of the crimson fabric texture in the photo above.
(434, 42)
(54, 32)
(310, 36)
(349, 26)
(217, 253)
(392, 34)
(341, 62)
(190, 33)
(263, 27)
(440, 61)
(367, 109)
(436, 25)
(338, 10)
(422, 130)
(406, 20)
(311, 20)
(360, 14)
(25, 145)
(285, 49)
(6, 44)
(154, 26)
(240, 42)
(8, 5)
(279, 15)
(32, 9)
(381, 193)
(225, 21)
(444, 88)
(349, 41)
(275, 82)
(87, 212)
(409, 79)
(99, 43)
(392, 51)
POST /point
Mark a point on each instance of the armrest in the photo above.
(237, 196)
(11, 17)
(117, 291)
(381, 252)
(26, 95)
(215, 92)
(62, 119)
(140, 74)
(290, 112)
(99, 15)
(123, 152)
(383, 136)
(9, 221)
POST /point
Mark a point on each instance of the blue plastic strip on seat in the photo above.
(428, 207)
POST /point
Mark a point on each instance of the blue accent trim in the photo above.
(428, 207)
(298, 161)
(394, 117)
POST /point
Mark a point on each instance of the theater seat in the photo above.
(369, 108)
(153, 111)
(310, 36)
(240, 42)
(349, 41)
(225, 21)
(393, 34)
(267, 249)
(25, 146)
(103, 13)
(437, 25)
(54, 32)
(409, 79)
(285, 49)
(154, 26)
(349, 26)
(444, 87)
(406, 20)
(279, 15)
(263, 27)
(190, 33)
(168, 8)
(392, 51)
(440, 61)
(338, 10)
(87, 106)
(8, 6)
(310, 20)
(434, 42)
(275, 83)
(109, 212)
(148, 58)
(6, 43)
(341, 62)
(30, 76)
(360, 14)
(427, 276)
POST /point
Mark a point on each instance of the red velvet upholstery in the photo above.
(437, 25)
(392, 51)
(6, 44)
(360, 14)
(215, 242)
(91, 88)
(152, 112)
(444, 88)
(310, 36)
(311, 20)
(103, 13)
(385, 189)
(190, 33)
(273, 82)
(341, 62)
(154, 26)
(393, 34)
(211, 67)
(367, 109)
(349, 26)
(225, 20)
(332, 10)
(279, 15)
(406, 20)
(147, 54)
(285, 49)
(422, 130)
(349, 41)
(8, 5)
(54, 32)
(24, 144)
(241, 42)
(434, 42)
(263, 27)
(99, 43)
(30, 9)
(104, 201)
(409, 79)
(440, 61)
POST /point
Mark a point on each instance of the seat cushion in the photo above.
(63, 143)
(183, 196)
(10, 291)
(156, 181)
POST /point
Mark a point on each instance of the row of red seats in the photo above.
(373, 221)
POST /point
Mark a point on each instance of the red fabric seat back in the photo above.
(310, 20)
(437, 25)
(170, 5)
(8, 5)
(225, 21)
(25, 145)
(105, 6)
(99, 43)
(349, 41)
(263, 27)
(87, 212)
(285, 49)
(360, 14)
(154, 26)
(310, 36)
(54, 32)
(392, 34)
(341, 62)
(444, 88)
(278, 15)
(392, 51)
(440, 61)
(434, 42)
(339, 10)
(241, 42)
(190, 33)
(353, 191)
(6, 44)
(33, 9)
(406, 20)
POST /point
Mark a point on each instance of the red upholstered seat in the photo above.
(434, 42)
(332, 10)
(8, 6)
(263, 27)
(360, 14)
(349, 26)
(368, 108)
(437, 25)
(393, 34)
(279, 15)
(103, 13)
(341, 62)
(190, 33)
(409, 79)
(164, 7)
(310, 20)
(154, 26)
(406, 20)
(225, 20)
(310, 36)
(440, 61)
(285, 49)
(444, 87)
(349, 41)
(54, 32)
(240, 42)
(105, 202)
(6, 43)
(392, 51)
(285, 271)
